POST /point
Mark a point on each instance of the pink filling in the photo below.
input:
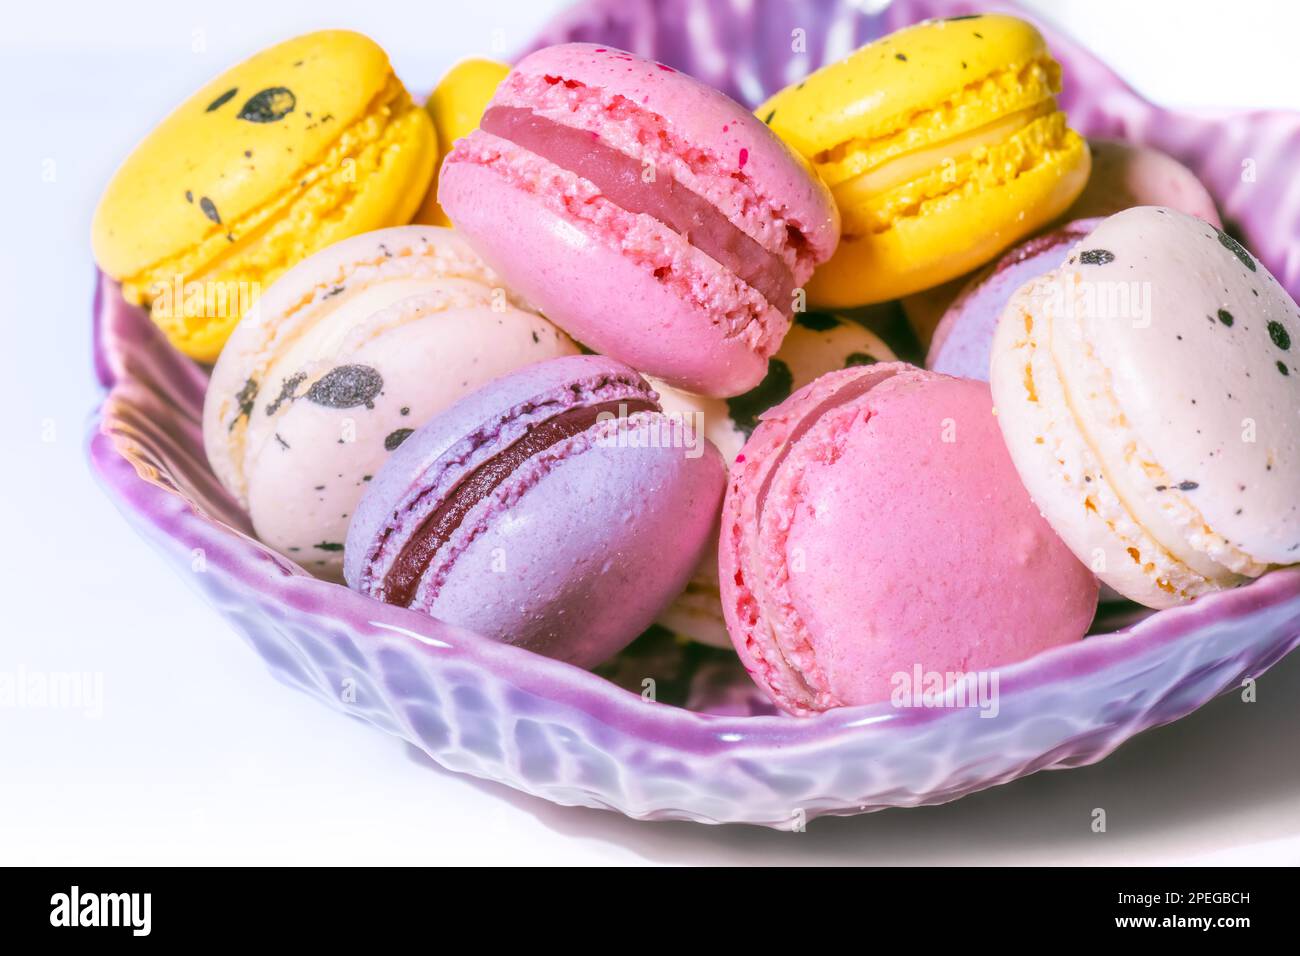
(620, 179)
(642, 239)
(632, 128)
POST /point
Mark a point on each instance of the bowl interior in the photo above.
(152, 415)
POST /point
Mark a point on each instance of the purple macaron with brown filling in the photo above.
(557, 508)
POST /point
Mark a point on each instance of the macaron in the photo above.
(557, 509)
(455, 106)
(1122, 175)
(963, 340)
(942, 144)
(1125, 175)
(817, 343)
(874, 525)
(306, 143)
(336, 365)
(648, 215)
(1147, 390)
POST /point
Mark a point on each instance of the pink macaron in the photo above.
(556, 508)
(963, 339)
(874, 525)
(650, 216)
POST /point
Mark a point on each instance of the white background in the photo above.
(200, 757)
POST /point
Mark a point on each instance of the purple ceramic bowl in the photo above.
(576, 737)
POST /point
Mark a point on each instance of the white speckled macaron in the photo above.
(1148, 391)
(340, 359)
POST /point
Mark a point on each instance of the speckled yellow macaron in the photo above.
(456, 106)
(303, 144)
(942, 144)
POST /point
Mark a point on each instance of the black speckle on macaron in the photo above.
(1281, 367)
(1237, 249)
(1096, 257)
(859, 358)
(246, 397)
(395, 438)
(269, 105)
(222, 100)
(817, 321)
(210, 209)
(1188, 485)
(767, 120)
(328, 546)
(901, 57)
(1280, 336)
(774, 389)
(189, 196)
(287, 389)
(346, 386)
(1226, 317)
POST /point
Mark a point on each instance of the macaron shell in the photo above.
(963, 340)
(878, 90)
(942, 145)
(302, 491)
(816, 344)
(418, 257)
(447, 442)
(577, 549)
(1121, 424)
(597, 294)
(144, 216)
(840, 569)
(456, 106)
(586, 557)
(956, 572)
(304, 144)
(951, 237)
(1125, 175)
(710, 122)
(1207, 388)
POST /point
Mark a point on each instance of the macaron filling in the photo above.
(994, 155)
(896, 171)
(621, 179)
(403, 577)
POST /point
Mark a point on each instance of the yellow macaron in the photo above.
(942, 144)
(456, 106)
(306, 143)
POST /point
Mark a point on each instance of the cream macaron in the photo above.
(1147, 390)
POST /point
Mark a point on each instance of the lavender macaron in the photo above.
(963, 338)
(556, 508)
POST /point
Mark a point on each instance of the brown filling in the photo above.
(438, 527)
(620, 179)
